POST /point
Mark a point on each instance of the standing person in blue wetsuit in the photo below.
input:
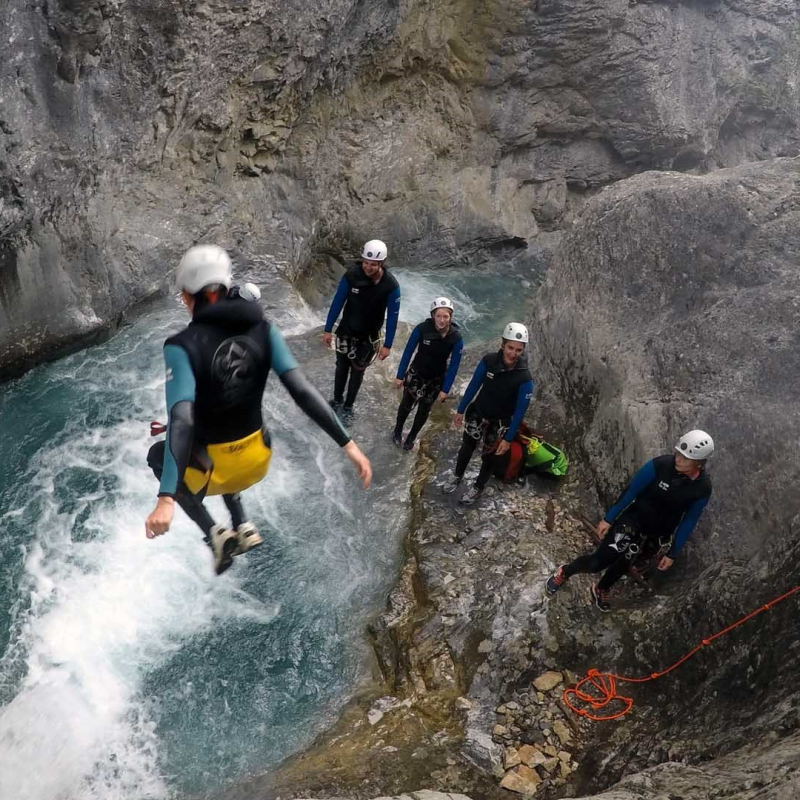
(367, 293)
(662, 503)
(217, 370)
(506, 389)
(429, 378)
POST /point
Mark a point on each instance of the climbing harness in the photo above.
(362, 352)
(420, 390)
(605, 683)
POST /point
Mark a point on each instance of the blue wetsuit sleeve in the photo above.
(641, 480)
(411, 346)
(337, 305)
(392, 315)
(282, 358)
(180, 390)
(472, 389)
(687, 525)
(524, 395)
(452, 368)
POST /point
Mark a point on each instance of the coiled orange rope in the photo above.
(605, 683)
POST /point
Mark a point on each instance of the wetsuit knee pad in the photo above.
(236, 466)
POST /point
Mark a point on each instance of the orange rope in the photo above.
(605, 683)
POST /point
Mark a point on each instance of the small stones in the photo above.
(499, 730)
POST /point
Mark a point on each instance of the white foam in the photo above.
(418, 290)
(104, 608)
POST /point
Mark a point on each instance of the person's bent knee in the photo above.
(155, 458)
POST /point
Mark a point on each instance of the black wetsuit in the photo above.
(505, 393)
(217, 369)
(660, 505)
(428, 374)
(363, 304)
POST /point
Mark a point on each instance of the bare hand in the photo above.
(502, 447)
(458, 420)
(665, 563)
(442, 397)
(398, 383)
(160, 518)
(383, 353)
(360, 462)
(327, 339)
(602, 529)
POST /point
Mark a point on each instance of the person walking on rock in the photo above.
(504, 389)
(367, 293)
(217, 371)
(429, 378)
(661, 506)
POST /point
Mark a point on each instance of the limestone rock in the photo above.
(522, 780)
(548, 680)
(562, 731)
(531, 756)
(511, 758)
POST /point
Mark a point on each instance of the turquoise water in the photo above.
(127, 670)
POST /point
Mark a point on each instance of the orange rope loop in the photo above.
(601, 687)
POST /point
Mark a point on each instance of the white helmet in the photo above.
(374, 250)
(442, 302)
(697, 445)
(204, 265)
(249, 291)
(516, 332)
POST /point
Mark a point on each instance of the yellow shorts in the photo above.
(236, 466)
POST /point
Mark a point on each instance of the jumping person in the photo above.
(429, 378)
(367, 293)
(506, 388)
(217, 370)
(662, 504)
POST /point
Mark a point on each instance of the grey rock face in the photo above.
(673, 304)
(128, 131)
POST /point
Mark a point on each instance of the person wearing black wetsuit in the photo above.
(217, 369)
(504, 389)
(429, 377)
(367, 293)
(662, 504)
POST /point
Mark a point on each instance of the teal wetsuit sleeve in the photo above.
(452, 369)
(180, 390)
(472, 389)
(411, 346)
(393, 314)
(524, 395)
(337, 305)
(687, 525)
(310, 401)
(282, 358)
(641, 480)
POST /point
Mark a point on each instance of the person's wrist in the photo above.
(166, 500)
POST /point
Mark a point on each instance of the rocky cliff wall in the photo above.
(460, 131)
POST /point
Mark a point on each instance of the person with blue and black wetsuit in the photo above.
(429, 378)
(662, 504)
(504, 388)
(367, 293)
(217, 371)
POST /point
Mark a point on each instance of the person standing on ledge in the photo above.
(661, 505)
(429, 378)
(504, 388)
(217, 370)
(367, 293)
